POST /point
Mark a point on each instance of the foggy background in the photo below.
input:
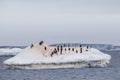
(23, 22)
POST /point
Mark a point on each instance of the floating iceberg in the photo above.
(42, 56)
(9, 51)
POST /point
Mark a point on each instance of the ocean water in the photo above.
(112, 72)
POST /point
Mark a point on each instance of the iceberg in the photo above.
(9, 51)
(42, 56)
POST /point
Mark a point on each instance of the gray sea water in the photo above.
(112, 72)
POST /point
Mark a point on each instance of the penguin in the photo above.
(41, 43)
(31, 46)
(61, 49)
(45, 48)
(76, 51)
(69, 49)
(72, 49)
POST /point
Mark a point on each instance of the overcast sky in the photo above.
(23, 22)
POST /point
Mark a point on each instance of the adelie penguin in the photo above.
(31, 46)
(41, 43)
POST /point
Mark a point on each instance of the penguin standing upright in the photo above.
(31, 46)
(87, 48)
(58, 48)
(61, 49)
(41, 43)
(45, 48)
(80, 48)
(76, 51)
(68, 49)
(72, 49)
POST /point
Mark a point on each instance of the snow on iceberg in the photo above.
(9, 51)
(42, 56)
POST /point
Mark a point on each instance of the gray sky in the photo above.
(23, 22)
